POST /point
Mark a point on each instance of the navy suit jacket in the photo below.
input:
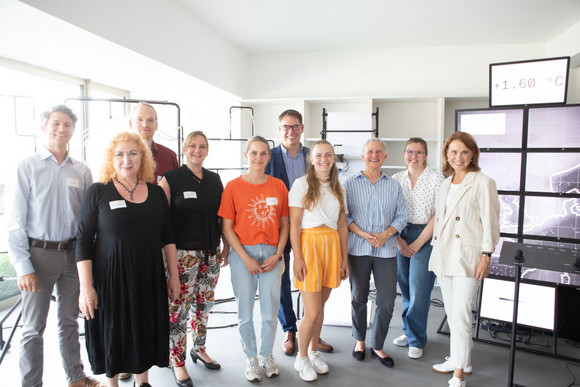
(276, 165)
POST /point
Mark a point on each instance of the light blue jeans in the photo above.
(245, 286)
(416, 282)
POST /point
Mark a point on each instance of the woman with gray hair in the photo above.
(376, 214)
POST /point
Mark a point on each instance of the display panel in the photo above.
(555, 127)
(504, 168)
(540, 81)
(536, 304)
(492, 128)
(552, 276)
(552, 217)
(553, 172)
(509, 208)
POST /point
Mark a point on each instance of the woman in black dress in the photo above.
(125, 223)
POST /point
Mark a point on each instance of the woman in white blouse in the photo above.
(420, 187)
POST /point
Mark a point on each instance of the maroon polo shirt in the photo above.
(165, 160)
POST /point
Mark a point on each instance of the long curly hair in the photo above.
(313, 193)
(147, 167)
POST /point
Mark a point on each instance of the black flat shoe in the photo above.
(214, 365)
(386, 361)
(182, 383)
(358, 355)
(144, 385)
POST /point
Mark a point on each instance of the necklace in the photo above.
(323, 179)
(127, 189)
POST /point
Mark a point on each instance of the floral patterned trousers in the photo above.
(196, 299)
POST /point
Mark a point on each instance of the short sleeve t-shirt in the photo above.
(255, 209)
(326, 210)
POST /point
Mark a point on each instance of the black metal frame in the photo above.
(324, 131)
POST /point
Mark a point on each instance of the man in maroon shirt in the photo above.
(144, 122)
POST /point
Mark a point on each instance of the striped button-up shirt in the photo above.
(374, 207)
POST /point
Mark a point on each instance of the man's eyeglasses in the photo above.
(295, 128)
(418, 153)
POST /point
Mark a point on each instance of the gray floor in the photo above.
(490, 362)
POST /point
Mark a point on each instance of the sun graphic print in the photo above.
(262, 211)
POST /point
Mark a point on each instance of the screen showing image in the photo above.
(555, 127)
(553, 172)
(504, 168)
(493, 128)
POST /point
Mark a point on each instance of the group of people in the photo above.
(139, 252)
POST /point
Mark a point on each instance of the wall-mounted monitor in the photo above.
(529, 82)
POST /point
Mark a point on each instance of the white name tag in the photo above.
(117, 204)
(272, 201)
(72, 182)
(159, 179)
(190, 195)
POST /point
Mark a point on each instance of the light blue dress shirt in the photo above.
(43, 202)
(295, 167)
(374, 207)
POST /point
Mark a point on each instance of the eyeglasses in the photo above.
(295, 128)
(418, 153)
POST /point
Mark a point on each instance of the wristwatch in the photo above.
(280, 257)
(486, 253)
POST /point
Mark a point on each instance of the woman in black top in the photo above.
(194, 196)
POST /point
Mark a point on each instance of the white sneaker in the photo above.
(456, 382)
(415, 353)
(318, 362)
(305, 368)
(401, 341)
(447, 367)
(253, 373)
(270, 365)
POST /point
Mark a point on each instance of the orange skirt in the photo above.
(321, 253)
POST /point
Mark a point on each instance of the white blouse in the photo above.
(422, 198)
(325, 212)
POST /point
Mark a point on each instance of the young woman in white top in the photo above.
(318, 233)
(420, 187)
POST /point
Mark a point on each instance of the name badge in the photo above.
(117, 204)
(272, 201)
(72, 182)
(190, 195)
(159, 179)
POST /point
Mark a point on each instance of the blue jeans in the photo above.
(245, 286)
(416, 282)
(286, 315)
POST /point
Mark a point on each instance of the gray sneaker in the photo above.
(270, 365)
(318, 362)
(253, 373)
(305, 369)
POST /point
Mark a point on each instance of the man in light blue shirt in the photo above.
(377, 212)
(43, 204)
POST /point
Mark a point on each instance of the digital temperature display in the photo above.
(531, 82)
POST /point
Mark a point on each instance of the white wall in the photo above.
(423, 72)
(161, 30)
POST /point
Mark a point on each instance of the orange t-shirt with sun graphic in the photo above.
(255, 209)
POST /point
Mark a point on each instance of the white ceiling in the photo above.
(274, 26)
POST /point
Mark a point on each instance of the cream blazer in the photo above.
(466, 228)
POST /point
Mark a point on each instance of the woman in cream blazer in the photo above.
(465, 233)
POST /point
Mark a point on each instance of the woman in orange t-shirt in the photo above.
(254, 209)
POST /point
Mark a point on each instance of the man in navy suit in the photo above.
(288, 162)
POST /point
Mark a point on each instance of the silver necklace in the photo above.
(127, 189)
